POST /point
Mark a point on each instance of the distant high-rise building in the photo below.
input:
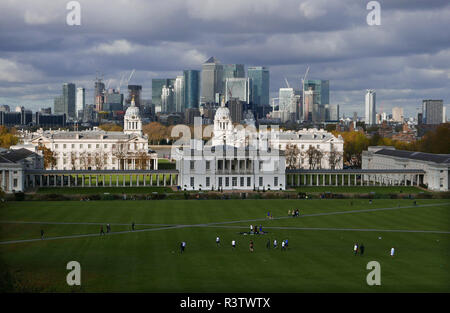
(237, 88)
(444, 114)
(432, 111)
(320, 98)
(168, 99)
(99, 90)
(157, 86)
(66, 102)
(397, 114)
(81, 101)
(191, 88)
(212, 82)
(332, 113)
(179, 94)
(236, 108)
(370, 112)
(113, 101)
(232, 71)
(134, 91)
(260, 83)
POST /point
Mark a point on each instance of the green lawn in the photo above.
(362, 189)
(317, 260)
(102, 190)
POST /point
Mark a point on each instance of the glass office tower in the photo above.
(191, 88)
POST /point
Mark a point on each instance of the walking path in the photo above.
(225, 225)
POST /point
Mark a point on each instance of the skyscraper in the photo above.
(81, 101)
(237, 88)
(191, 88)
(370, 112)
(432, 111)
(320, 98)
(66, 102)
(397, 114)
(99, 90)
(260, 83)
(168, 99)
(179, 94)
(232, 71)
(212, 83)
(134, 91)
(157, 85)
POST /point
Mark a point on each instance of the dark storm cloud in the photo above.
(405, 59)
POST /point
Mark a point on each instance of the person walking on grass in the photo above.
(275, 244)
(392, 252)
(233, 244)
(251, 245)
(355, 248)
(283, 245)
(182, 246)
(42, 234)
(101, 231)
(132, 226)
(218, 241)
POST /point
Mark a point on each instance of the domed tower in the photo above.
(223, 126)
(132, 123)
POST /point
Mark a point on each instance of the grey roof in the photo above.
(212, 60)
(414, 155)
(88, 135)
(305, 136)
(13, 156)
(233, 151)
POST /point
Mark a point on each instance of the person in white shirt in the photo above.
(392, 251)
(218, 241)
(275, 243)
(355, 248)
(282, 245)
(233, 243)
(251, 228)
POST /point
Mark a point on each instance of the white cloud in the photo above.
(120, 46)
(13, 72)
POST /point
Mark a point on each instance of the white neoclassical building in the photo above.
(230, 162)
(436, 166)
(96, 149)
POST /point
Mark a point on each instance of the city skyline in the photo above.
(404, 61)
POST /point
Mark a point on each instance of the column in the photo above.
(157, 179)
(90, 180)
(131, 180)
(145, 178)
(68, 180)
(310, 179)
(323, 180)
(336, 179)
(151, 179)
(82, 180)
(62, 180)
(41, 183)
(164, 176)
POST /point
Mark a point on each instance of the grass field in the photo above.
(362, 189)
(319, 258)
(102, 190)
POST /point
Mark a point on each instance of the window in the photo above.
(15, 182)
(249, 181)
(97, 146)
(234, 181)
(261, 181)
(207, 165)
(64, 146)
(73, 146)
(105, 146)
(192, 165)
(81, 145)
(207, 181)
(89, 146)
(260, 165)
(192, 181)
(220, 181)
(242, 181)
(56, 146)
(227, 181)
(275, 181)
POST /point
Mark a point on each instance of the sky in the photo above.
(405, 59)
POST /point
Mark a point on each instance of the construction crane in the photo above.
(120, 82)
(287, 83)
(131, 75)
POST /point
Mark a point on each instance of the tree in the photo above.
(155, 132)
(111, 127)
(8, 137)
(314, 156)
(292, 154)
(49, 156)
(334, 158)
(99, 160)
(142, 158)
